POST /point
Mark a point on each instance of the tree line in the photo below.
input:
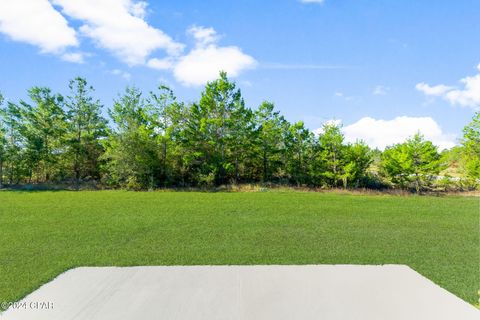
(155, 141)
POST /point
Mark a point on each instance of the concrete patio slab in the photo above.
(242, 292)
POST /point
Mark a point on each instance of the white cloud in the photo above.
(138, 9)
(118, 26)
(382, 133)
(123, 74)
(312, 1)
(160, 64)
(342, 95)
(203, 36)
(36, 22)
(380, 90)
(75, 57)
(207, 59)
(203, 65)
(468, 96)
(433, 90)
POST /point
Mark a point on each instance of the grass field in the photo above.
(43, 234)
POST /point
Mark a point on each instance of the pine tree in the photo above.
(269, 139)
(132, 153)
(415, 161)
(86, 127)
(331, 153)
(43, 128)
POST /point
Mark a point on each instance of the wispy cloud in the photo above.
(123, 74)
(468, 96)
(380, 90)
(341, 95)
(75, 57)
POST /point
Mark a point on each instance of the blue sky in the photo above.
(385, 69)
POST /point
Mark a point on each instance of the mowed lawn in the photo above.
(43, 234)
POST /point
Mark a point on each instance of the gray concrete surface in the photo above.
(242, 292)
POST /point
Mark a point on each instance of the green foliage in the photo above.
(167, 117)
(131, 149)
(471, 149)
(156, 141)
(224, 130)
(43, 129)
(298, 142)
(3, 141)
(415, 162)
(13, 163)
(358, 158)
(331, 153)
(446, 183)
(339, 162)
(269, 141)
(85, 129)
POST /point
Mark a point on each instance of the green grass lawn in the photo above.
(43, 234)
